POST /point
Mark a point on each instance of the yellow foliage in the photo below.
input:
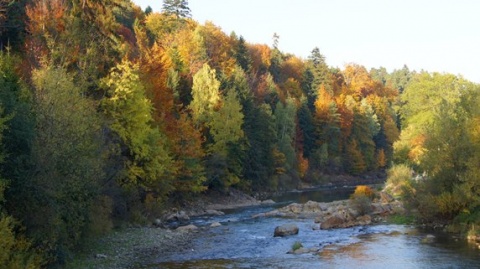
(363, 190)
(302, 165)
(381, 158)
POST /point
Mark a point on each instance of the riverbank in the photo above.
(131, 247)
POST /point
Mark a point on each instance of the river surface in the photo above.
(244, 242)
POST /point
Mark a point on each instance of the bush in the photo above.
(361, 203)
(363, 190)
(16, 251)
(398, 179)
(297, 245)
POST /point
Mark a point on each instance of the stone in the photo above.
(364, 220)
(312, 206)
(101, 256)
(334, 221)
(286, 230)
(187, 228)
(212, 212)
(268, 202)
(428, 239)
(179, 216)
(215, 224)
(157, 223)
(385, 197)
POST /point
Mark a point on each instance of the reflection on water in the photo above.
(243, 242)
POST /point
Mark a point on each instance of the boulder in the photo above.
(380, 209)
(215, 224)
(179, 216)
(187, 228)
(334, 221)
(312, 206)
(364, 220)
(268, 202)
(385, 197)
(428, 239)
(285, 230)
(212, 212)
(157, 223)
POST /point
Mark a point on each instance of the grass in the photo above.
(401, 219)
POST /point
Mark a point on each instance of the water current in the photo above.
(246, 242)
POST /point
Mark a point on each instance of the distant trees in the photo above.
(109, 113)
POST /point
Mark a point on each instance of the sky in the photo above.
(433, 35)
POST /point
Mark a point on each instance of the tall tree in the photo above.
(205, 94)
(178, 8)
(142, 146)
(67, 170)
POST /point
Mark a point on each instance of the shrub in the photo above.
(297, 245)
(363, 190)
(361, 199)
(398, 179)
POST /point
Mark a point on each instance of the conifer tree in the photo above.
(178, 8)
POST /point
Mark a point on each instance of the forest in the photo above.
(109, 113)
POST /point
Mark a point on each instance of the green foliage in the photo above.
(205, 94)
(67, 170)
(146, 158)
(16, 250)
(297, 245)
(179, 8)
(399, 177)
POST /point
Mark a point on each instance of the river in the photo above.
(244, 242)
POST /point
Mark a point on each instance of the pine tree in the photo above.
(178, 8)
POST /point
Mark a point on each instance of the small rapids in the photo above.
(246, 242)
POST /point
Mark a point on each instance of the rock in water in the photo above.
(285, 230)
(215, 224)
(187, 228)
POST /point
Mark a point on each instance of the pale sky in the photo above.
(434, 35)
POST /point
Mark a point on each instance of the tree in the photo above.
(66, 164)
(178, 8)
(242, 55)
(320, 71)
(205, 94)
(146, 159)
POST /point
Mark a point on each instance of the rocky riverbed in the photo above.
(340, 214)
(170, 233)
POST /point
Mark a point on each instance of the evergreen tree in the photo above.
(178, 8)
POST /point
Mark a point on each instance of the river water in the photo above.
(244, 242)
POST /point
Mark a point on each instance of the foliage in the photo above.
(146, 158)
(112, 111)
(363, 190)
(399, 178)
(297, 245)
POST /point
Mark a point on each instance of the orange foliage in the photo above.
(381, 158)
(154, 66)
(358, 81)
(45, 18)
(187, 148)
(416, 147)
(322, 104)
(302, 164)
(346, 117)
(261, 55)
(219, 48)
(293, 68)
(363, 190)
